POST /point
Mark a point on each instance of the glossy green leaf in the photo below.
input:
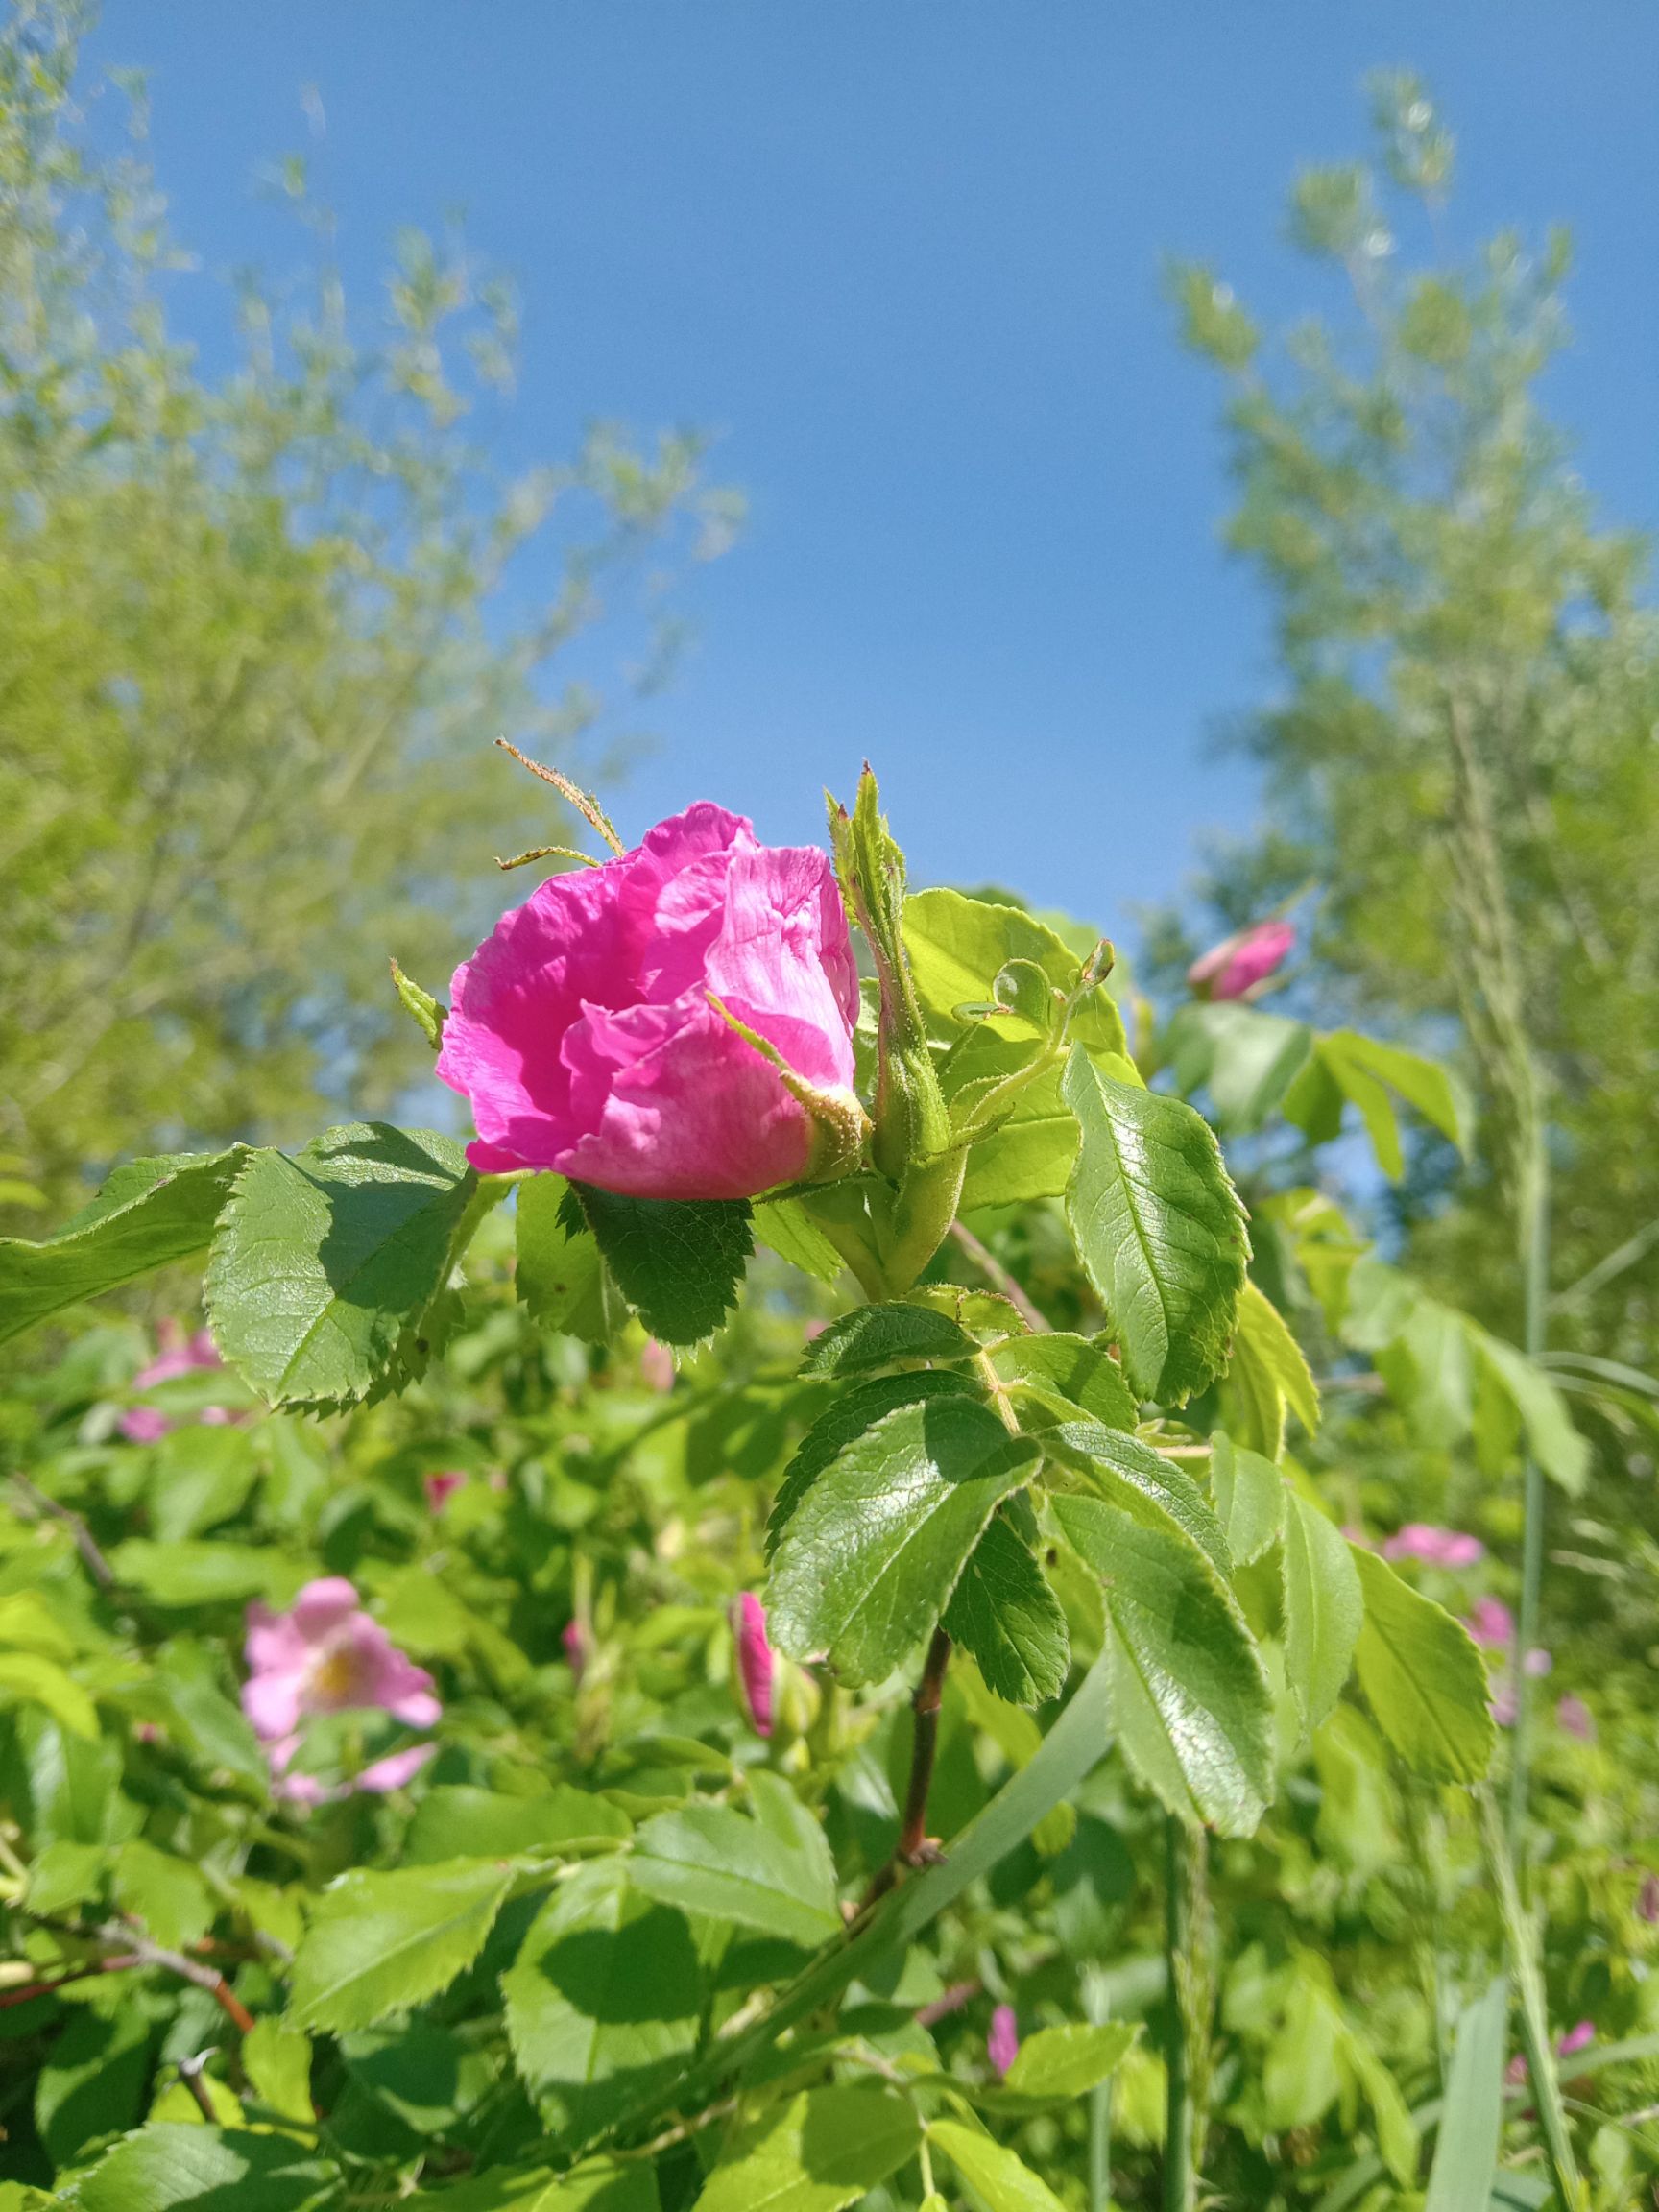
(1267, 1376)
(1028, 1155)
(1159, 1228)
(1072, 1375)
(1538, 1408)
(876, 1336)
(957, 945)
(1001, 2180)
(1471, 2125)
(603, 2002)
(379, 1943)
(1008, 1620)
(713, 1860)
(680, 1266)
(1066, 2062)
(870, 1555)
(821, 2150)
(1190, 1693)
(326, 1267)
(1249, 1493)
(784, 1226)
(1142, 1483)
(595, 2185)
(559, 1276)
(848, 1414)
(178, 2168)
(1423, 1678)
(458, 1822)
(148, 1214)
(1324, 1609)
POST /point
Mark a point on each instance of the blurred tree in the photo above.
(258, 635)
(1463, 754)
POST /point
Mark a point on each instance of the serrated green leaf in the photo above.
(1267, 1376)
(26, 1678)
(602, 2004)
(164, 1894)
(149, 1214)
(1001, 2180)
(428, 1014)
(784, 1226)
(1031, 1154)
(559, 1275)
(1244, 1058)
(1324, 1609)
(1423, 1678)
(848, 1415)
(876, 1336)
(870, 1555)
(713, 1860)
(457, 1821)
(379, 1943)
(1189, 1693)
(1539, 1408)
(276, 2060)
(325, 1266)
(679, 1263)
(1065, 2063)
(1141, 1482)
(177, 2168)
(820, 2151)
(1008, 1620)
(1071, 1374)
(1249, 1498)
(1158, 1229)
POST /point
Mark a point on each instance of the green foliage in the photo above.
(1007, 1618)
(678, 1266)
(819, 2152)
(1466, 2151)
(1422, 1678)
(379, 1943)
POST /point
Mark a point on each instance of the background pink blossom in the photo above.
(1241, 963)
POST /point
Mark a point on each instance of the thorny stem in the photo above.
(913, 1848)
(588, 807)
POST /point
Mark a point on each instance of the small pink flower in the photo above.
(656, 1366)
(1242, 964)
(753, 1661)
(327, 1656)
(442, 1486)
(1450, 1547)
(175, 1357)
(1576, 2039)
(584, 1034)
(396, 1768)
(578, 1643)
(1491, 1623)
(1002, 2044)
(1647, 1900)
(1577, 1719)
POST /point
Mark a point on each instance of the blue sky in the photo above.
(902, 258)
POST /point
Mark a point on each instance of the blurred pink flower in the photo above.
(1576, 2039)
(753, 1661)
(1577, 1719)
(1002, 2044)
(656, 1366)
(327, 1656)
(176, 1355)
(1436, 1546)
(584, 1030)
(1647, 1900)
(578, 1646)
(1491, 1623)
(396, 1768)
(442, 1486)
(381, 1776)
(1242, 964)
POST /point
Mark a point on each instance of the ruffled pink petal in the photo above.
(783, 961)
(323, 1606)
(273, 1703)
(376, 1675)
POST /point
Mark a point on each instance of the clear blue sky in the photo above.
(903, 259)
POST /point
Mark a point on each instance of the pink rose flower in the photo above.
(327, 1656)
(1577, 1719)
(176, 1355)
(753, 1661)
(582, 1034)
(440, 1487)
(1002, 2044)
(1436, 1546)
(1242, 963)
(1491, 1623)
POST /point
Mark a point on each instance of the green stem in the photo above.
(1096, 2005)
(1178, 2118)
(1535, 1258)
(1521, 1929)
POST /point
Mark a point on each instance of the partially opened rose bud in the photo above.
(578, 1643)
(677, 1023)
(1241, 964)
(1002, 2044)
(755, 1664)
(440, 1487)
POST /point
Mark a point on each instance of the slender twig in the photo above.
(913, 1850)
(28, 1991)
(97, 1566)
(999, 1277)
(147, 1954)
(190, 2071)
